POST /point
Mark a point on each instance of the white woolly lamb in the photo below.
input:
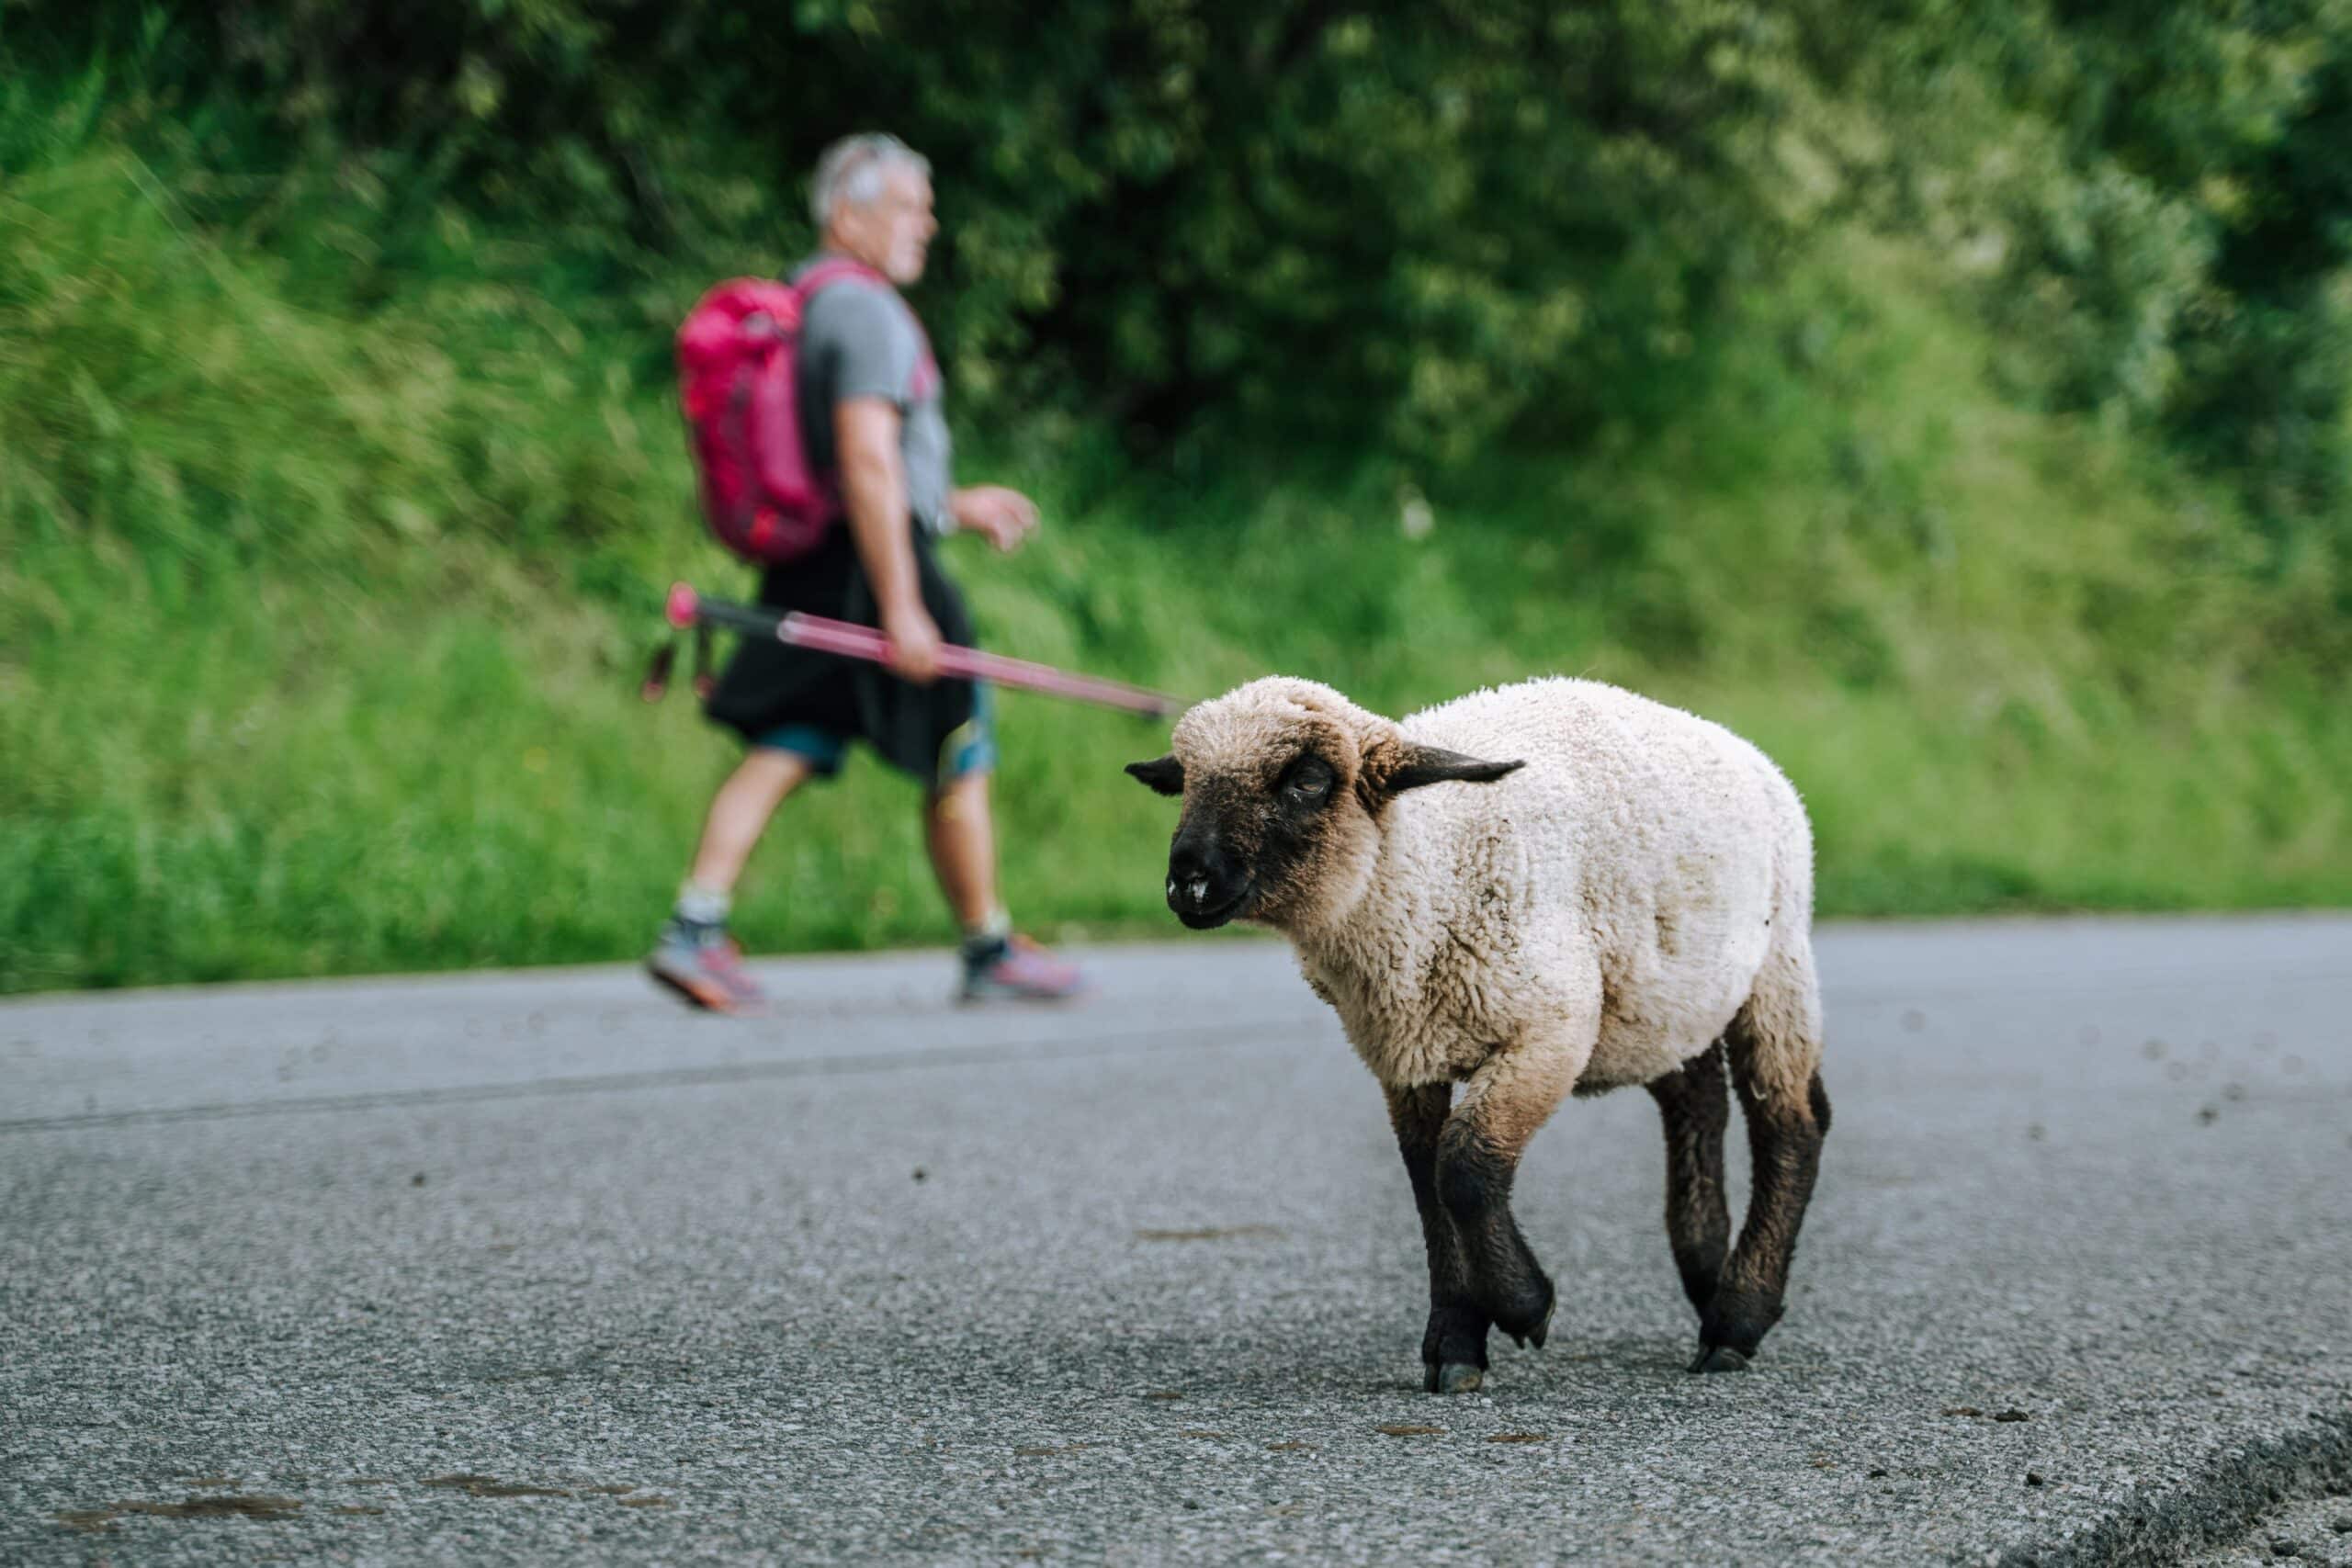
(1627, 899)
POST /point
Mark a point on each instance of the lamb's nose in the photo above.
(1189, 878)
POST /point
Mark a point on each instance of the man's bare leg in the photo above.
(695, 957)
(739, 814)
(962, 833)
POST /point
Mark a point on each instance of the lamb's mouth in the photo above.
(1209, 920)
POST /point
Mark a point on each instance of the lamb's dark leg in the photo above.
(1453, 1349)
(1478, 1153)
(1697, 1223)
(1777, 1072)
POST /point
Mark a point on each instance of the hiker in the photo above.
(868, 392)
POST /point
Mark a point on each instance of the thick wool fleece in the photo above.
(1594, 919)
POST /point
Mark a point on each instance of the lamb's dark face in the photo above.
(1285, 786)
(1253, 838)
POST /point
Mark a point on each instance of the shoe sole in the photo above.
(708, 999)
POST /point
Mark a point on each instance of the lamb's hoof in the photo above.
(1543, 1329)
(1456, 1377)
(1456, 1338)
(1737, 1321)
(1719, 1358)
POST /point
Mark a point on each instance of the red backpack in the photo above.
(736, 357)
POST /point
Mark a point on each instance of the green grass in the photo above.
(322, 615)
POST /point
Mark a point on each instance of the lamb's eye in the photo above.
(1309, 779)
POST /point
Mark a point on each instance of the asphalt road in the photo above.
(508, 1268)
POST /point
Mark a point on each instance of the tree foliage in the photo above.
(1429, 229)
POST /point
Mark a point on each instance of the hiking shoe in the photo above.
(1020, 970)
(706, 969)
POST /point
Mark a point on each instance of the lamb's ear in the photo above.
(1165, 774)
(1412, 766)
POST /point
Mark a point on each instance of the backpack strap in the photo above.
(833, 269)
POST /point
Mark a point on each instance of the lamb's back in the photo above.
(1671, 842)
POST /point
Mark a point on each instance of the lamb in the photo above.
(1628, 900)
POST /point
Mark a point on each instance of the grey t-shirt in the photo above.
(859, 339)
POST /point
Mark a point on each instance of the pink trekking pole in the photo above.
(796, 628)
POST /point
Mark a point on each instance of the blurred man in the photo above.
(870, 397)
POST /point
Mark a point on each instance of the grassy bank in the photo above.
(328, 583)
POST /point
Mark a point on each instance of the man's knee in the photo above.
(961, 799)
(773, 769)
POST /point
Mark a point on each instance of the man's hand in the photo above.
(1006, 517)
(914, 643)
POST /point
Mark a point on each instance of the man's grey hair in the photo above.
(854, 170)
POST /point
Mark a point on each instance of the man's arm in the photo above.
(873, 486)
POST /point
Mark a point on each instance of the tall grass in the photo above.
(327, 583)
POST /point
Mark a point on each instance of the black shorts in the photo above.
(771, 694)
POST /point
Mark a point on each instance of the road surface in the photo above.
(504, 1267)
